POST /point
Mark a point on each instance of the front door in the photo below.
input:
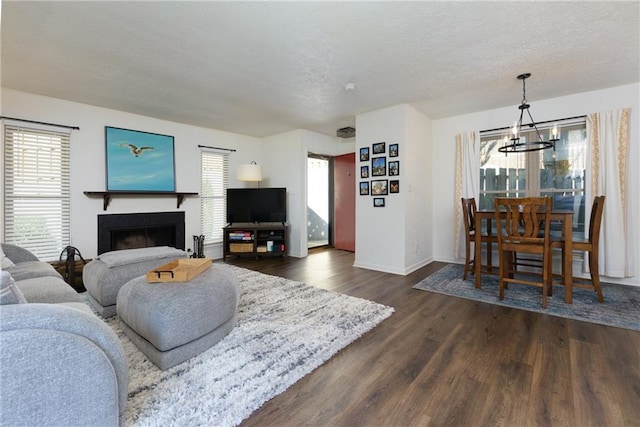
(344, 180)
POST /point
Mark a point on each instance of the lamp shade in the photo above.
(250, 172)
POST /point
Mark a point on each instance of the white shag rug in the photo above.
(285, 330)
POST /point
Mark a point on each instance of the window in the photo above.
(213, 194)
(559, 174)
(36, 190)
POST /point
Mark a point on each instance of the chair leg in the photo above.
(489, 263)
(503, 271)
(467, 259)
(512, 265)
(595, 275)
(545, 280)
(550, 261)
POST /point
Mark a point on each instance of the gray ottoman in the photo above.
(104, 276)
(172, 322)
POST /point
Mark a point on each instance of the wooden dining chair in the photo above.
(523, 229)
(469, 209)
(590, 245)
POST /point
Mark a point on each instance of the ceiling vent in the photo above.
(347, 132)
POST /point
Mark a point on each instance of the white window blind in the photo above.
(213, 194)
(36, 190)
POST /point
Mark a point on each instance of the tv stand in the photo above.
(255, 239)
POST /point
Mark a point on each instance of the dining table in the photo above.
(564, 216)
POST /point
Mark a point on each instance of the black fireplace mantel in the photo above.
(107, 195)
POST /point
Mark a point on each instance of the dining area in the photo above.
(531, 235)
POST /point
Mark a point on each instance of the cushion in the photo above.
(50, 290)
(31, 269)
(169, 315)
(4, 260)
(132, 256)
(9, 292)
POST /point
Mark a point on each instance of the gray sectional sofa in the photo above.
(59, 363)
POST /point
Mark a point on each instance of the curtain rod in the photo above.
(41, 123)
(217, 148)
(537, 123)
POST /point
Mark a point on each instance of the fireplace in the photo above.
(140, 230)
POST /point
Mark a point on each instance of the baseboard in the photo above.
(386, 269)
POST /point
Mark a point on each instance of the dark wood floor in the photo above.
(444, 361)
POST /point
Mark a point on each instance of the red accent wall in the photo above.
(344, 181)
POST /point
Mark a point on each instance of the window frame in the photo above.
(216, 199)
(37, 189)
(573, 140)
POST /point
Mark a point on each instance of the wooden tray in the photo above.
(179, 270)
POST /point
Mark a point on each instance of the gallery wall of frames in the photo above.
(379, 171)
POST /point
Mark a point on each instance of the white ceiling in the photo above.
(261, 68)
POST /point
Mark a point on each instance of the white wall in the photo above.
(88, 161)
(395, 238)
(318, 143)
(416, 189)
(285, 156)
(443, 172)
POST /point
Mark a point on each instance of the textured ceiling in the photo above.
(260, 68)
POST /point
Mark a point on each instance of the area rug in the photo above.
(621, 307)
(285, 330)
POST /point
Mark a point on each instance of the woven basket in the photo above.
(240, 247)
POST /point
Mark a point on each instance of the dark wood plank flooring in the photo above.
(444, 361)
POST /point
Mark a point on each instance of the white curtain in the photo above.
(608, 136)
(467, 182)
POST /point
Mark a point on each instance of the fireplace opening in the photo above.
(140, 230)
(142, 237)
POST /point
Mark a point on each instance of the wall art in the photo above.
(378, 202)
(394, 168)
(364, 154)
(364, 188)
(393, 150)
(394, 186)
(139, 161)
(378, 148)
(379, 166)
(364, 171)
(379, 187)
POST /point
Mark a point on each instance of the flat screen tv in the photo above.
(256, 205)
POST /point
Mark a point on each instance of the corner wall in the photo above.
(285, 158)
(395, 238)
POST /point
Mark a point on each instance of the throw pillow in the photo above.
(9, 292)
(5, 261)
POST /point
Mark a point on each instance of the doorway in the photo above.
(318, 201)
(344, 200)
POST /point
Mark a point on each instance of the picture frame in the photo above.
(364, 171)
(364, 154)
(139, 161)
(378, 148)
(394, 168)
(364, 188)
(394, 186)
(393, 150)
(379, 187)
(378, 202)
(378, 166)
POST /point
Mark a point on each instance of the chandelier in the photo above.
(513, 144)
